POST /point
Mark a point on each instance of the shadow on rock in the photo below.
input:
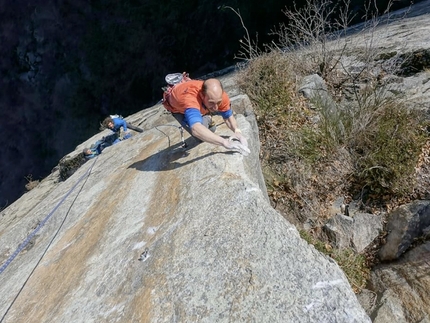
(167, 159)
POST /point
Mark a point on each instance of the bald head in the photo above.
(212, 94)
(212, 85)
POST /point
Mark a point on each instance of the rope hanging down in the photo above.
(41, 224)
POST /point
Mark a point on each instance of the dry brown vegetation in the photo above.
(367, 149)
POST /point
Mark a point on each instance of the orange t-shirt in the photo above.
(188, 95)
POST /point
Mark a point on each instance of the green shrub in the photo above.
(387, 149)
(266, 81)
(354, 266)
(280, 110)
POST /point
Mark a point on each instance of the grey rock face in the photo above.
(404, 286)
(404, 225)
(357, 232)
(158, 233)
(313, 87)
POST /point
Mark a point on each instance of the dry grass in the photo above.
(304, 168)
(363, 145)
(311, 157)
(367, 149)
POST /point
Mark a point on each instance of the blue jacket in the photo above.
(118, 123)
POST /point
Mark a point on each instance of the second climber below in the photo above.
(194, 102)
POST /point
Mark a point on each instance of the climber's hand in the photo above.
(233, 144)
(241, 138)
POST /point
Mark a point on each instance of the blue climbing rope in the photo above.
(41, 224)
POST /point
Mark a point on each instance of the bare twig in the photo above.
(249, 48)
